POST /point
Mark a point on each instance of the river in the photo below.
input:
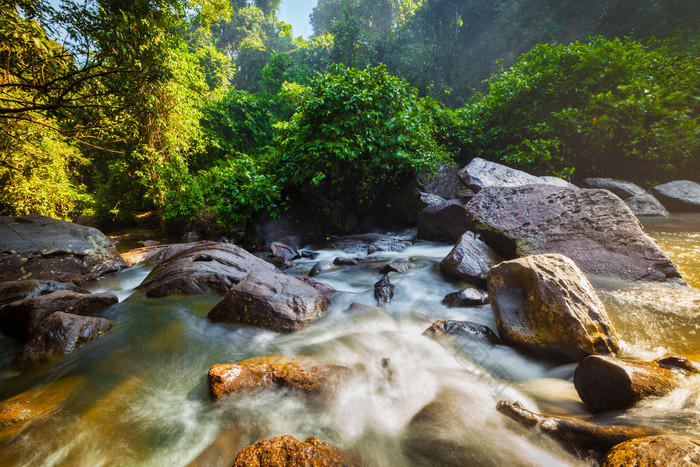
(138, 395)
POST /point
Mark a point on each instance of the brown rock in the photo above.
(260, 373)
(470, 260)
(662, 450)
(345, 261)
(289, 451)
(440, 219)
(467, 329)
(544, 305)
(322, 266)
(606, 383)
(466, 298)
(401, 268)
(13, 291)
(153, 254)
(323, 288)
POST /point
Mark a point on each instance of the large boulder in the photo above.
(301, 373)
(208, 267)
(60, 334)
(593, 227)
(676, 450)
(440, 219)
(480, 174)
(606, 383)
(444, 182)
(271, 300)
(621, 188)
(13, 291)
(681, 195)
(646, 205)
(545, 306)
(153, 254)
(39, 247)
(289, 451)
(470, 260)
(21, 319)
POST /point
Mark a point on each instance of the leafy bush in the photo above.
(610, 107)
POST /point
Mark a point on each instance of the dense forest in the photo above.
(213, 109)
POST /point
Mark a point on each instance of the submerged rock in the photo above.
(544, 305)
(646, 206)
(606, 383)
(620, 188)
(387, 244)
(480, 174)
(467, 329)
(440, 219)
(289, 451)
(300, 373)
(400, 268)
(593, 227)
(466, 298)
(470, 260)
(676, 450)
(681, 195)
(204, 268)
(39, 247)
(271, 300)
(383, 290)
(321, 267)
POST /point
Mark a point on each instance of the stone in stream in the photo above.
(672, 450)
(621, 188)
(383, 290)
(20, 319)
(204, 268)
(440, 219)
(321, 267)
(301, 373)
(154, 254)
(58, 335)
(681, 195)
(544, 305)
(323, 288)
(283, 255)
(470, 260)
(467, 329)
(400, 268)
(38, 247)
(345, 261)
(387, 244)
(289, 451)
(593, 227)
(606, 383)
(271, 300)
(13, 291)
(646, 206)
(468, 297)
(480, 174)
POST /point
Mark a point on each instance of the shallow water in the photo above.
(139, 394)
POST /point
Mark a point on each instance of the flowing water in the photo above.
(138, 395)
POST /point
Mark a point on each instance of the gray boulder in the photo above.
(470, 260)
(466, 298)
(619, 187)
(440, 219)
(480, 174)
(444, 183)
(646, 205)
(321, 267)
(38, 247)
(681, 195)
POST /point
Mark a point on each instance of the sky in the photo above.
(296, 13)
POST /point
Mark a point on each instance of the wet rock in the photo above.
(345, 262)
(401, 268)
(21, 319)
(154, 254)
(593, 227)
(646, 206)
(349, 245)
(323, 288)
(223, 451)
(681, 195)
(467, 329)
(283, 250)
(677, 450)
(466, 298)
(147, 243)
(190, 237)
(440, 219)
(321, 267)
(444, 183)
(301, 373)
(204, 268)
(271, 300)
(480, 174)
(59, 334)
(606, 383)
(545, 306)
(387, 244)
(383, 290)
(13, 291)
(38, 247)
(470, 260)
(575, 435)
(280, 262)
(621, 188)
(289, 451)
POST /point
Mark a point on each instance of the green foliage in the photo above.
(355, 137)
(612, 107)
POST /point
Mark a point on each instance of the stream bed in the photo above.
(139, 395)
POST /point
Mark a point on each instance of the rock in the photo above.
(439, 219)
(13, 291)
(21, 319)
(467, 329)
(646, 206)
(279, 249)
(621, 188)
(593, 227)
(606, 383)
(676, 450)
(271, 300)
(203, 268)
(292, 241)
(480, 174)
(556, 181)
(59, 334)
(39, 247)
(224, 449)
(387, 244)
(444, 183)
(470, 260)
(147, 243)
(383, 290)
(301, 373)
(575, 435)
(466, 298)
(289, 451)
(322, 266)
(345, 262)
(401, 268)
(681, 195)
(190, 237)
(323, 288)
(545, 306)
(280, 262)
(349, 245)
(154, 255)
